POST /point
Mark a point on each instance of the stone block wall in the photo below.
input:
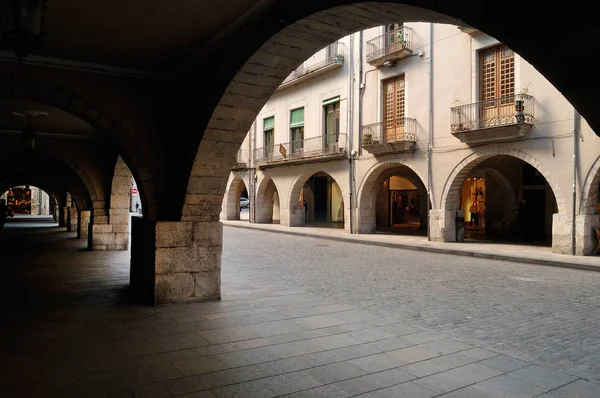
(73, 220)
(587, 242)
(188, 261)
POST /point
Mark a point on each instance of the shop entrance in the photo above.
(401, 206)
(323, 202)
(507, 200)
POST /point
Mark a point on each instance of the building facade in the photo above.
(422, 129)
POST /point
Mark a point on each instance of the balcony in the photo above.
(494, 120)
(242, 160)
(392, 136)
(322, 148)
(331, 57)
(390, 47)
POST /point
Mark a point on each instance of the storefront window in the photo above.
(337, 203)
(473, 201)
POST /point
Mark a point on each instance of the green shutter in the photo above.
(269, 123)
(331, 101)
(297, 118)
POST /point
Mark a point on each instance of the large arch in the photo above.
(294, 215)
(265, 206)
(589, 194)
(449, 199)
(231, 201)
(97, 117)
(367, 191)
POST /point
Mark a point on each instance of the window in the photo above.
(269, 132)
(297, 130)
(394, 34)
(496, 82)
(393, 109)
(331, 108)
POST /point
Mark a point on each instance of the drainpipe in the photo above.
(350, 136)
(574, 207)
(252, 144)
(361, 84)
(430, 132)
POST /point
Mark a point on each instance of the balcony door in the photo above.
(269, 133)
(393, 109)
(496, 86)
(297, 131)
(332, 123)
(394, 37)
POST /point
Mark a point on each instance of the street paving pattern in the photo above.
(540, 314)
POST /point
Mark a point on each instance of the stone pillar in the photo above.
(585, 233)
(562, 229)
(64, 217)
(72, 225)
(443, 225)
(297, 217)
(366, 221)
(61, 216)
(188, 261)
(141, 275)
(83, 225)
(232, 209)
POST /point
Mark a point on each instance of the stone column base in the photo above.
(562, 231)
(187, 261)
(366, 221)
(83, 225)
(73, 220)
(585, 231)
(297, 217)
(442, 225)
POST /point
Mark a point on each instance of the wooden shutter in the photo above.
(393, 109)
(496, 84)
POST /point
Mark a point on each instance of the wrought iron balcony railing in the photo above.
(308, 148)
(391, 42)
(510, 110)
(390, 132)
(331, 55)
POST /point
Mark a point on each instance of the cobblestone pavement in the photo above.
(541, 314)
(287, 325)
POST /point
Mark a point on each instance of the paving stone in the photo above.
(193, 366)
(248, 357)
(437, 365)
(409, 389)
(238, 375)
(334, 372)
(290, 382)
(376, 363)
(251, 389)
(541, 377)
(328, 391)
(503, 363)
(374, 381)
(457, 378)
(577, 389)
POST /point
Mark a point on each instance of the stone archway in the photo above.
(98, 118)
(367, 191)
(449, 200)
(588, 218)
(294, 215)
(231, 201)
(266, 207)
(443, 226)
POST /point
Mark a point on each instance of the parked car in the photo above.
(244, 203)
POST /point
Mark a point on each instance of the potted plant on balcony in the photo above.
(520, 104)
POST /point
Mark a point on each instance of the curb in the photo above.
(464, 253)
